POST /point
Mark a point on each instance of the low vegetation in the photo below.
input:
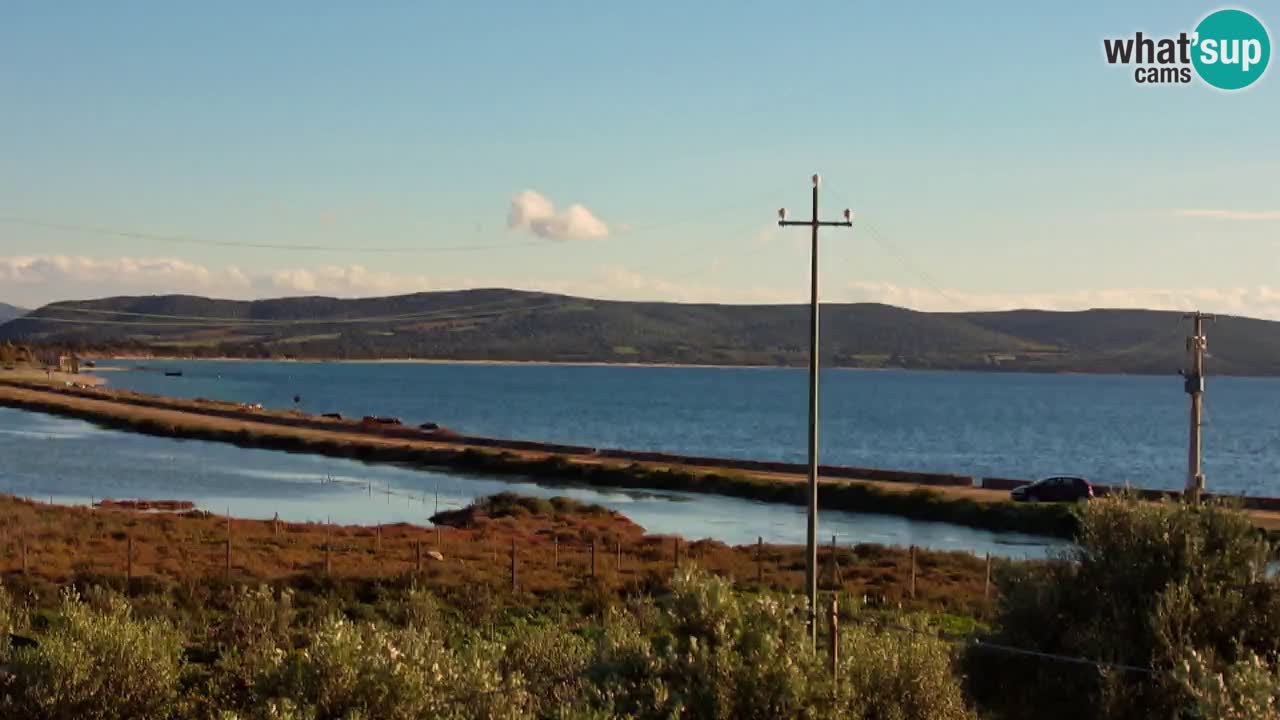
(1161, 610)
(1174, 601)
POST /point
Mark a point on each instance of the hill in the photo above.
(8, 312)
(497, 324)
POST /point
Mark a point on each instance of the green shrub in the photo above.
(362, 671)
(901, 676)
(553, 663)
(97, 665)
(251, 641)
(713, 653)
(1248, 689)
(1147, 584)
(8, 621)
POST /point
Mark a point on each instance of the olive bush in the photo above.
(351, 671)
(1248, 689)
(717, 654)
(885, 675)
(96, 665)
(1146, 585)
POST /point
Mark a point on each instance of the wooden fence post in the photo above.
(676, 555)
(759, 560)
(378, 540)
(555, 551)
(986, 585)
(834, 649)
(513, 564)
(418, 555)
(835, 568)
(913, 572)
(228, 547)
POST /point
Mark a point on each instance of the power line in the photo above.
(998, 647)
(214, 242)
(188, 240)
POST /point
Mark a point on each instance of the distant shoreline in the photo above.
(445, 361)
(602, 363)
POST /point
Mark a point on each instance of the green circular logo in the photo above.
(1232, 49)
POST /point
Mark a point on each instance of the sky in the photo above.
(992, 159)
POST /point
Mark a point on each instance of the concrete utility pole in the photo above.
(811, 560)
(1194, 385)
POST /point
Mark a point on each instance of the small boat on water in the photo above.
(173, 373)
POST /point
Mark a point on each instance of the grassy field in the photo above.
(552, 542)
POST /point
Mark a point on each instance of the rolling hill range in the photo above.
(496, 324)
(8, 312)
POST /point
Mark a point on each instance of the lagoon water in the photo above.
(73, 462)
(1113, 429)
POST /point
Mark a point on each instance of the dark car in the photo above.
(1060, 488)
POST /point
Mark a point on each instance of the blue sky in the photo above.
(993, 159)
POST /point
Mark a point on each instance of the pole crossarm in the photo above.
(820, 223)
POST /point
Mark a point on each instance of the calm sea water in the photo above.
(1114, 429)
(72, 462)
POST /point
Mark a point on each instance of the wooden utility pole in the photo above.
(1194, 385)
(811, 560)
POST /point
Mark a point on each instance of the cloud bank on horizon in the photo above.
(31, 281)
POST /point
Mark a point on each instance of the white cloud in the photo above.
(35, 280)
(1221, 214)
(64, 277)
(1258, 301)
(533, 211)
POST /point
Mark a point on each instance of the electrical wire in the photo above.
(998, 647)
(213, 242)
(188, 240)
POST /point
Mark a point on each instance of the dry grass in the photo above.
(553, 555)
